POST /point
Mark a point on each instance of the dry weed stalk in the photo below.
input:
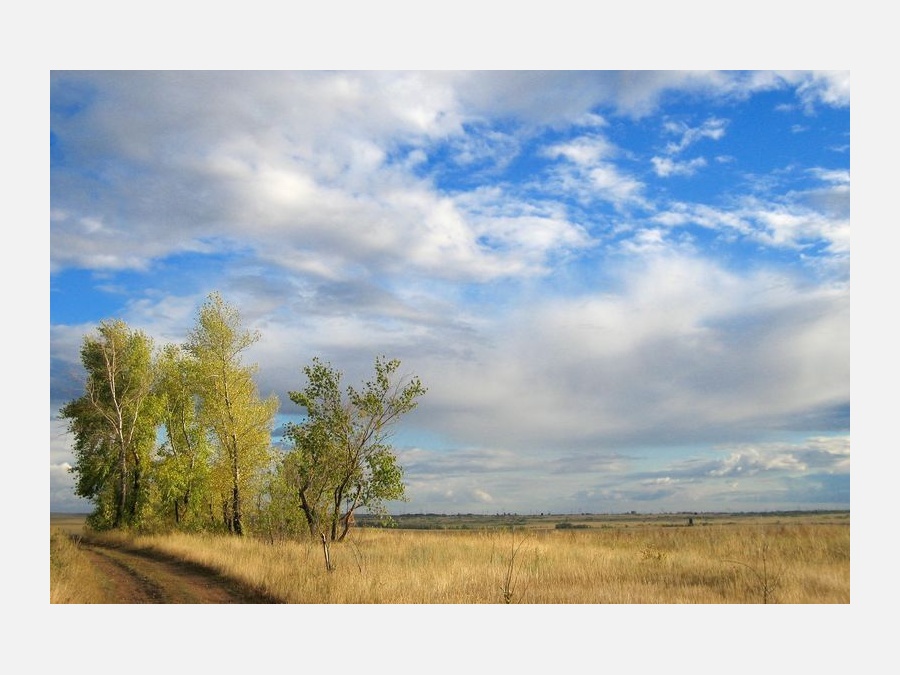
(508, 587)
(766, 579)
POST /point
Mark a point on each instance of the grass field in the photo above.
(796, 558)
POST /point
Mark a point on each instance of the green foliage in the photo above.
(114, 424)
(182, 469)
(181, 439)
(341, 459)
(239, 422)
(280, 516)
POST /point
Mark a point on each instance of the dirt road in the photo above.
(134, 576)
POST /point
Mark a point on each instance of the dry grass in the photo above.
(794, 562)
(73, 578)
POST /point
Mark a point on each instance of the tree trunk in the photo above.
(236, 490)
(336, 513)
(311, 519)
(135, 492)
(347, 522)
(236, 516)
(123, 490)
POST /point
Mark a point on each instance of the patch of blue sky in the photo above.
(193, 271)
(83, 296)
(765, 138)
(56, 154)
(78, 295)
(761, 151)
(70, 95)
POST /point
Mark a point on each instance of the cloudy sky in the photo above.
(623, 290)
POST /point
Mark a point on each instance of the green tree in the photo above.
(341, 459)
(280, 517)
(114, 423)
(182, 472)
(240, 422)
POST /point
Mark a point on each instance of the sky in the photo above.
(624, 290)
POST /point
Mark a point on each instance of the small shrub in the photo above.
(571, 526)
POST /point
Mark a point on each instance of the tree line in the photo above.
(180, 438)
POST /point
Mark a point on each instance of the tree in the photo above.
(240, 423)
(182, 473)
(341, 459)
(114, 423)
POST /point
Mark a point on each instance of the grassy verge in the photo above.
(73, 579)
(778, 562)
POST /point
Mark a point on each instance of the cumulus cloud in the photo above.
(666, 356)
(191, 155)
(812, 473)
(831, 88)
(829, 454)
(495, 232)
(319, 193)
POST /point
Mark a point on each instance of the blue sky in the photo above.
(624, 290)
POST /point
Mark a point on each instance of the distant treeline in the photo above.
(469, 521)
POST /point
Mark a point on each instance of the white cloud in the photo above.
(283, 184)
(840, 177)
(281, 161)
(822, 87)
(584, 151)
(609, 183)
(62, 482)
(233, 168)
(713, 128)
(549, 328)
(822, 454)
(682, 349)
(785, 227)
(798, 220)
(646, 240)
(590, 175)
(665, 166)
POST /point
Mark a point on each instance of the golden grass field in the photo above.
(727, 559)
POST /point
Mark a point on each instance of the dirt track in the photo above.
(136, 576)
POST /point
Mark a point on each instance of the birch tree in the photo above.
(114, 423)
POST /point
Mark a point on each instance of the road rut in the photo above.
(139, 576)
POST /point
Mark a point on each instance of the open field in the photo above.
(434, 521)
(723, 558)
